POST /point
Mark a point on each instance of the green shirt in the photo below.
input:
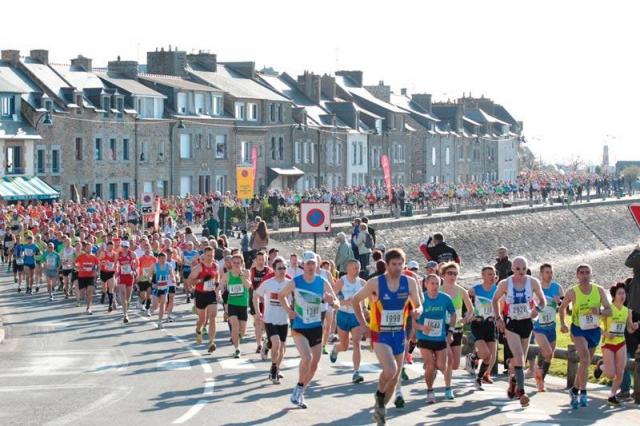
(238, 293)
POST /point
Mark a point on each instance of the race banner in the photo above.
(156, 216)
(386, 168)
(245, 178)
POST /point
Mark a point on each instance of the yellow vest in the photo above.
(616, 324)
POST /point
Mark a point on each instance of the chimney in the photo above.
(309, 84)
(246, 69)
(40, 55)
(356, 76)
(207, 61)
(167, 62)
(403, 91)
(423, 100)
(126, 69)
(11, 56)
(380, 91)
(328, 86)
(82, 62)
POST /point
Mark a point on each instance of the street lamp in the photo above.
(46, 120)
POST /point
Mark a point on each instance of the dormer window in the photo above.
(79, 100)
(120, 106)
(47, 104)
(182, 103)
(199, 103)
(105, 106)
(7, 106)
(217, 105)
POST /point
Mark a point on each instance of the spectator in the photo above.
(371, 231)
(245, 247)
(439, 251)
(633, 261)
(213, 225)
(365, 244)
(632, 341)
(503, 264)
(260, 237)
(344, 253)
(354, 235)
(381, 268)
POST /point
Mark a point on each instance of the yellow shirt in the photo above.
(615, 324)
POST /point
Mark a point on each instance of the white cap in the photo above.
(125, 243)
(413, 265)
(309, 256)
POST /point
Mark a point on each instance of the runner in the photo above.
(433, 332)
(258, 272)
(203, 278)
(518, 291)
(346, 287)
(390, 295)
(189, 260)
(237, 281)
(172, 260)
(87, 265)
(51, 267)
(146, 263)
(614, 348)
(275, 318)
(127, 267)
(483, 326)
(67, 257)
(163, 276)
(18, 263)
(587, 300)
(460, 297)
(107, 258)
(308, 290)
(544, 329)
(30, 252)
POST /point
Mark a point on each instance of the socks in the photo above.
(574, 390)
(583, 391)
(380, 398)
(148, 304)
(110, 298)
(545, 368)
(412, 346)
(519, 377)
(483, 369)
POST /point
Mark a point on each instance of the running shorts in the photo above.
(522, 328)
(395, 340)
(85, 282)
(238, 311)
(591, 336)
(205, 298)
(346, 321)
(279, 330)
(313, 335)
(484, 330)
(432, 345)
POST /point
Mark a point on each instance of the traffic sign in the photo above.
(635, 212)
(315, 218)
(146, 199)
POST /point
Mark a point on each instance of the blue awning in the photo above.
(16, 188)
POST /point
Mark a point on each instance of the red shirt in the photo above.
(108, 262)
(211, 271)
(87, 264)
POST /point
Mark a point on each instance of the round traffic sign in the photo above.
(244, 173)
(315, 217)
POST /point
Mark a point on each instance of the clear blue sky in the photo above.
(568, 69)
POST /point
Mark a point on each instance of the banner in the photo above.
(254, 162)
(156, 216)
(386, 168)
(245, 178)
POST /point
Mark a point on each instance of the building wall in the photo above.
(507, 159)
(357, 164)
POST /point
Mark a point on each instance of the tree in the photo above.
(526, 157)
(631, 174)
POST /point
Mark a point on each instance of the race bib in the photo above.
(210, 285)
(28, 252)
(547, 315)
(125, 269)
(109, 266)
(273, 299)
(311, 314)
(485, 310)
(519, 311)
(67, 264)
(51, 262)
(589, 321)
(617, 328)
(236, 289)
(146, 272)
(87, 267)
(163, 284)
(392, 319)
(19, 261)
(435, 326)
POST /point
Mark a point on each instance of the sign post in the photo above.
(315, 218)
(634, 209)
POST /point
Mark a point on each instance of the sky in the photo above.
(568, 69)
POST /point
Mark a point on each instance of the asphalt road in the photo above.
(59, 366)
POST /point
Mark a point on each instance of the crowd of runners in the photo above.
(377, 298)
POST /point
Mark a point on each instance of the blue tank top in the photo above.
(162, 275)
(547, 317)
(482, 304)
(307, 302)
(434, 314)
(390, 310)
(188, 258)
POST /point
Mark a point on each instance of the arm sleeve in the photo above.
(425, 251)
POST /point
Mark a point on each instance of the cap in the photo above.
(380, 247)
(309, 256)
(413, 265)
(125, 243)
(278, 259)
(274, 250)
(432, 264)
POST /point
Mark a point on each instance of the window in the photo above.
(55, 160)
(273, 147)
(221, 146)
(161, 151)
(461, 153)
(79, 149)
(329, 152)
(185, 146)
(375, 159)
(199, 103)
(125, 190)
(79, 101)
(40, 161)
(339, 153)
(7, 106)
(113, 152)
(307, 155)
(447, 156)
(98, 150)
(354, 157)
(298, 152)
(217, 105)
(272, 112)
(252, 111)
(162, 187)
(147, 186)
(361, 151)
(98, 190)
(48, 105)
(281, 148)
(182, 103)
(125, 149)
(113, 191)
(209, 141)
(280, 113)
(314, 147)
(240, 110)
(105, 106)
(221, 183)
(199, 140)
(433, 156)
(185, 185)
(120, 106)
(144, 154)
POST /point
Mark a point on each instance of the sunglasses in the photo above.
(281, 268)
(452, 273)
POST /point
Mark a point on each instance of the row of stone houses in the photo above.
(182, 122)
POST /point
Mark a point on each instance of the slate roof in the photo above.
(30, 92)
(79, 78)
(235, 84)
(405, 103)
(7, 87)
(17, 130)
(360, 92)
(504, 115)
(130, 86)
(176, 82)
(47, 76)
(480, 116)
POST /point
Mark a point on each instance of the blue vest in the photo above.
(307, 302)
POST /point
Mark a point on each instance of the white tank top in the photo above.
(349, 289)
(519, 301)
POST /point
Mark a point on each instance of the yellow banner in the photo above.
(245, 182)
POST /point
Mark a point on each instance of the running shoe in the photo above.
(301, 402)
(198, 338)
(263, 352)
(408, 358)
(37, 289)
(212, 347)
(583, 400)
(613, 401)
(110, 309)
(236, 354)
(51, 297)
(379, 415)
(333, 356)
(295, 395)
(431, 397)
(89, 312)
(160, 326)
(597, 371)
(357, 378)
(399, 401)
(574, 400)
(478, 384)
(469, 364)
(148, 312)
(169, 318)
(448, 394)
(623, 395)
(126, 319)
(487, 379)
(324, 350)
(524, 399)
(403, 374)
(19, 290)
(511, 390)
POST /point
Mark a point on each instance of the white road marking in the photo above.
(236, 364)
(33, 388)
(99, 404)
(195, 409)
(291, 363)
(174, 364)
(365, 367)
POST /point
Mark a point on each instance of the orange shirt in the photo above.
(87, 264)
(108, 262)
(145, 267)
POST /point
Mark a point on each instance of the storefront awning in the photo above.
(15, 188)
(293, 171)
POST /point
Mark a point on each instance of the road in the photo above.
(59, 366)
